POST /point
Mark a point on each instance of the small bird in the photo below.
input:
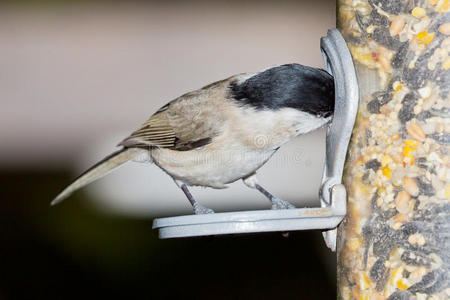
(226, 130)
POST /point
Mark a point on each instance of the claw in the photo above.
(201, 210)
(281, 204)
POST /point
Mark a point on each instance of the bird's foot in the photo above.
(201, 210)
(281, 204)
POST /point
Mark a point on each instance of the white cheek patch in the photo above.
(282, 120)
(306, 122)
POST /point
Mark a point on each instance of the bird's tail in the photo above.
(99, 170)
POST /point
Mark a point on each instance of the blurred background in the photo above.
(76, 77)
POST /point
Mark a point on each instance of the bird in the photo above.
(225, 131)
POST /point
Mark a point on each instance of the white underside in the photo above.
(210, 168)
(246, 143)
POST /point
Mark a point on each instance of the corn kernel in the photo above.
(418, 12)
(428, 38)
(424, 37)
(407, 151)
(386, 172)
(421, 35)
(411, 143)
(447, 190)
(398, 88)
(408, 155)
(401, 285)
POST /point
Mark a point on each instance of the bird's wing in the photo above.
(156, 131)
(186, 123)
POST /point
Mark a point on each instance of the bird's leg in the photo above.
(277, 203)
(198, 208)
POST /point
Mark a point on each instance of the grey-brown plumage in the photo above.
(183, 124)
(226, 130)
(97, 171)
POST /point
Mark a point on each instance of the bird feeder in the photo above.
(394, 242)
(332, 194)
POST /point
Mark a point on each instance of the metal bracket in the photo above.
(333, 196)
(339, 63)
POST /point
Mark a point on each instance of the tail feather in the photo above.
(99, 170)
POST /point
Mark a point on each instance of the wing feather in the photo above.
(188, 122)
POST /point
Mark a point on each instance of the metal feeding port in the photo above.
(333, 196)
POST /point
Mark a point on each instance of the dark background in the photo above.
(69, 252)
(63, 82)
